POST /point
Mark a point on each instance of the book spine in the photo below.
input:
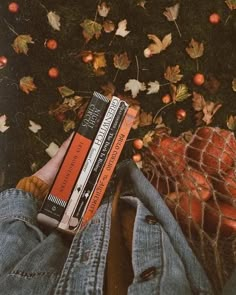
(109, 167)
(56, 201)
(88, 190)
(89, 163)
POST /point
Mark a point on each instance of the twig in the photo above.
(197, 64)
(44, 7)
(227, 19)
(177, 27)
(116, 75)
(137, 64)
(161, 109)
(11, 28)
(39, 139)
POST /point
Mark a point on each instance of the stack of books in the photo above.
(88, 164)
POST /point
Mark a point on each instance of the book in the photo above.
(89, 163)
(55, 203)
(99, 164)
(110, 164)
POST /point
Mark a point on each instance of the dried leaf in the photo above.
(99, 61)
(108, 26)
(159, 45)
(145, 119)
(198, 102)
(179, 93)
(195, 49)
(34, 127)
(121, 61)
(148, 138)
(172, 12)
(134, 86)
(52, 149)
(68, 125)
(54, 20)
(103, 9)
(234, 84)
(20, 44)
(154, 87)
(209, 111)
(65, 91)
(166, 41)
(212, 84)
(137, 118)
(91, 29)
(109, 89)
(3, 126)
(121, 30)
(231, 4)
(141, 3)
(172, 74)
(27, 84)
(231, 122)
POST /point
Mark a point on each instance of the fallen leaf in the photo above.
(141, 3)
(231, 4)
(108, 26)
(3, 126)
(159, 45)
(231, 122)
(103, 9)
(212, 84)
(91, 29)
(121, 61)
(108, 89)
(234, 84)
(172, 74)
(121, 30)
(172, 12)
(65, 91)
(99, 61)
(68, 125)
(52, 149)
(27, 84)
(137, 118)
(158, 120)
(34, 127)
(54, 20)
(179, 93)
(198, 102)
(195, 49)
(209, 111)
(154, 87)
(145, 119)
(148, 138)
(134, 86)
(20, 44)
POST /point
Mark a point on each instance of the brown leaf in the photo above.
(145, 119)
(103, 9)
(231, 4)
(121, 61)
(20, 44)
(91, 29)
(27, 84)
(108, 26)
(209, 111)
(231, 122)
(99, 62)
(108, 89)
(198, 102)
(172, 74)
(159, 45)
(148, 138)
(179, 93)
(172, 12)
(212, 84)
(195, 49)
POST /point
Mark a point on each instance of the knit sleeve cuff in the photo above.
(34, 185)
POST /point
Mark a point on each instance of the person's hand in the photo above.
(48, 172)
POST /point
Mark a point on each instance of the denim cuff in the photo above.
(18, 204)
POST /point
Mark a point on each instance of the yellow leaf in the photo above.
(179, 93)
(27, 84)
(231, 4)
(20, 44)
(91, 29)
(54, 20)
(172, 74)
(68, 125)
(231, 122)
(99, 62)
(121, 61)
(195, 49)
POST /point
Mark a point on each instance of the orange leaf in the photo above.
(27, 84)
(20, 44)
(172, 74)
(195, 49)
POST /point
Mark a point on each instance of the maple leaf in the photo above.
(108, 26)
(145, 119)
(231, 4)
(209, 111)
(179, 93)
(99, 62)
(231, 122)
(121, 30)
(65, 91)
(172, 12)
(3, 126)
(172, 74)
(20, 44)
(195, 49)
(27, 84)
(68, 125)
(148, 138)
(52, 149)
(159, 45)
(234, 84)
(54, 20)
(103, 9)
(134, 86)
(154, 87)
(198, 102)
(121, 61)
(141, 3)
(109, 89)
(91, 29)
(34, 127)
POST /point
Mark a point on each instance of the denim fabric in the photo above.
(32, 262)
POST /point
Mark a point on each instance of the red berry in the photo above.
(214, 18)
(198, 79)
(180, 115)
(13, 7)
(60, 117)
(137, 157)
(53, 72)
(138, 144)
(166, 98)
(51, 44)
(3, 61)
